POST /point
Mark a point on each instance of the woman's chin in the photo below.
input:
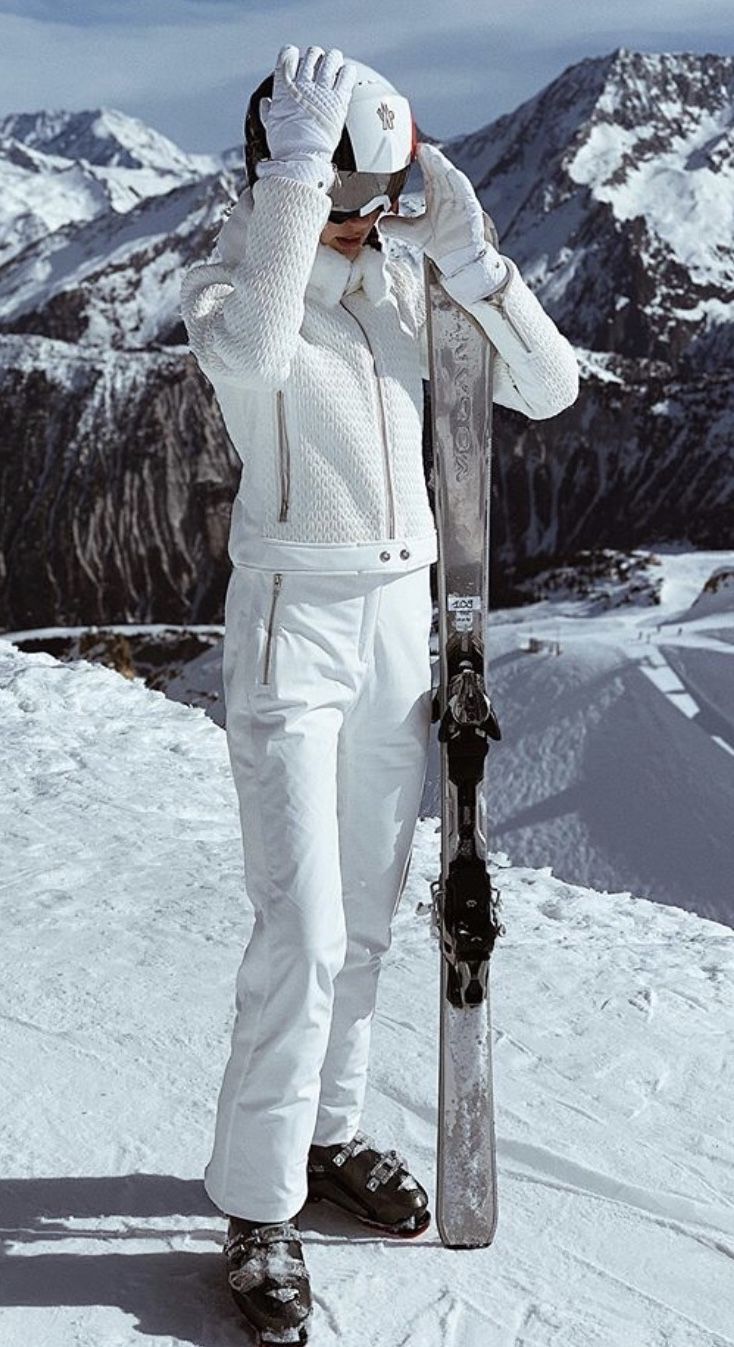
(348, 249)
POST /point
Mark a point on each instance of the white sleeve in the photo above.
(243, 309)
(536, 371)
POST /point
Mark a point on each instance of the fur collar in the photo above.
(332, 274)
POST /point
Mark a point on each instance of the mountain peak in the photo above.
(668, 87)
(612, 189)
(103, 136)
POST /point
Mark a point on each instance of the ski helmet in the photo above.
(374, 154)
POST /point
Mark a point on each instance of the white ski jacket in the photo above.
(316, 362)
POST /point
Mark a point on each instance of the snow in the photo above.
(619, 169)
(676, 189)
(717, 595)
(66, 364)
(131, 261)
(614, 765)
(59, 168)
(124, 917)
(598, 365)
(616, 761)
(618, 735)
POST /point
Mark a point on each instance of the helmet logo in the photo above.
(387, 117)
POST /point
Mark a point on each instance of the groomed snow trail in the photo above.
(617, 761)
(124, 916)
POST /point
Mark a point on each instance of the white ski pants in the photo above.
(328, 701)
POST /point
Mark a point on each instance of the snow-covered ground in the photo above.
(617, 763)
(124, 916)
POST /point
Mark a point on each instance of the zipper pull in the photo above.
(498, 302)
(284, 460)
(277, 585)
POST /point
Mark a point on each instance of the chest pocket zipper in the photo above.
(284, 460)
(267, 660)
(389, 487)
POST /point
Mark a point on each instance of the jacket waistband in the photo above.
(383, 555)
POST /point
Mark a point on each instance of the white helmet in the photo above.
(374, 154)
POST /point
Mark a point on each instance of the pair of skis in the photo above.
(465, 905)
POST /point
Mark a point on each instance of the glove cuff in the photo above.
(477, 279)
(313, 169)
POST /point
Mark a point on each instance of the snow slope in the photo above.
(123, 920)
(617, 760)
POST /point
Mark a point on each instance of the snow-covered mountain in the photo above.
(613, 190)
(645, 457)
(124, 918)
(112, 281)
(59, 168)
(101, 213)
(117, 482)
(116, 475)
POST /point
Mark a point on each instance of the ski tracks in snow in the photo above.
(537, 1164)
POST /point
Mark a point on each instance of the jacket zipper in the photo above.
(498, 302)
(389, 489)
(284, 460)
(277, 586)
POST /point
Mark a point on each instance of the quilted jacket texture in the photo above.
(317, 361)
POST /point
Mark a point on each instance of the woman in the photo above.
(315, 344)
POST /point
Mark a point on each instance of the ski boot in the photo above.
(375, 1186)
(268, 1279)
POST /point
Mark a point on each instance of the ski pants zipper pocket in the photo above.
(284, 460)
(270, 631)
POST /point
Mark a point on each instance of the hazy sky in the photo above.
(188, 66)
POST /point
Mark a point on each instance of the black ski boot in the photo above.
(375, 1186)
(268, 1278)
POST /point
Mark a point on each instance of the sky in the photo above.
(187, 67)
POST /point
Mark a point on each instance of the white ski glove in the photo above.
(305, 118)
(451, 230)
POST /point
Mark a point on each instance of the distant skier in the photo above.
(315, 345)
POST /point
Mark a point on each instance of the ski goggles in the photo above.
(358, 194)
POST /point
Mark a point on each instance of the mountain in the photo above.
(111, 438)
(612, 188)
(117, 481)
(59, 168)
(645, 457)
(112, 281)
(124, 916)
(104, 137)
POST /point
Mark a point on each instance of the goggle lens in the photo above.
(358, 194)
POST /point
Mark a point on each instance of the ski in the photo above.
(465, 905)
